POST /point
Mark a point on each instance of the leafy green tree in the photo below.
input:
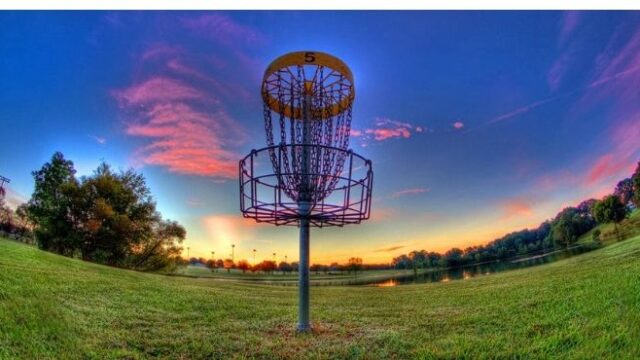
(611, 209)
(568, 225)
(51, 207)
(119, 218)
(108, 217)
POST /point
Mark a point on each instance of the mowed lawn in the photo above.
(584, 307)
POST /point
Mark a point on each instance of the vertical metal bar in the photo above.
(304, 207)
(303, 271)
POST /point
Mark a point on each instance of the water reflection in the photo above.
(387, 283)
(468, 272)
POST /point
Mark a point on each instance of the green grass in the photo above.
(583, 307)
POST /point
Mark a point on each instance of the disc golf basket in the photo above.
(307, 175)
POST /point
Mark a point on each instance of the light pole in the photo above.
(188, 257)
(274, 257)
(213, 260)
(254, 257)
(233, 251)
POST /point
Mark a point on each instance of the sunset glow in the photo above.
(475, 131)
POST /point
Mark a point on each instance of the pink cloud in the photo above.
(179, 107)
(406, 192)
(384, 134)
(186, 141)
(160, 89)
(517, 207)
(385, 129)
(606, 166)
(458, 125)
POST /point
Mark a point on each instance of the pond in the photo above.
(467, 272)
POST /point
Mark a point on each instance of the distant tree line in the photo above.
(108, 217)
(353, 265)
(560, 232)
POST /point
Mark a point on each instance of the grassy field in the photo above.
(583, 307)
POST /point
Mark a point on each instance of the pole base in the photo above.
(303, 328)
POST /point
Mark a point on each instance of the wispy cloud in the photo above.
(616, 71)
(458, 125)
(100, 140)
(180, 103)
(390, 249)
(224, 29)
(516, 207)
(407, 192)
(385, 129)
(569, 23)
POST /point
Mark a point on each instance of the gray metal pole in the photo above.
(303, 271)
(304, 207)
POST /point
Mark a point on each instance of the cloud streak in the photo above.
(386, 129)
(389, 249)
(407, 192)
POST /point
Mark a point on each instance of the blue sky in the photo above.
(478, 123)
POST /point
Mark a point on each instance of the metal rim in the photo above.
(317, 60)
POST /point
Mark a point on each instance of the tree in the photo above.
(610, 209)
(417, 260)
(162, 249)
(636, 187)
(244, 266)
(569, 224)
(267, 266)
(315, 268)
(285, 267)
(624, 191)
(228, 264)
(50, 203)
(108, 217)
(355, 264)
(564, 229)
(585, 208)
(452, 258)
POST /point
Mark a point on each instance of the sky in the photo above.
(477, 123)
